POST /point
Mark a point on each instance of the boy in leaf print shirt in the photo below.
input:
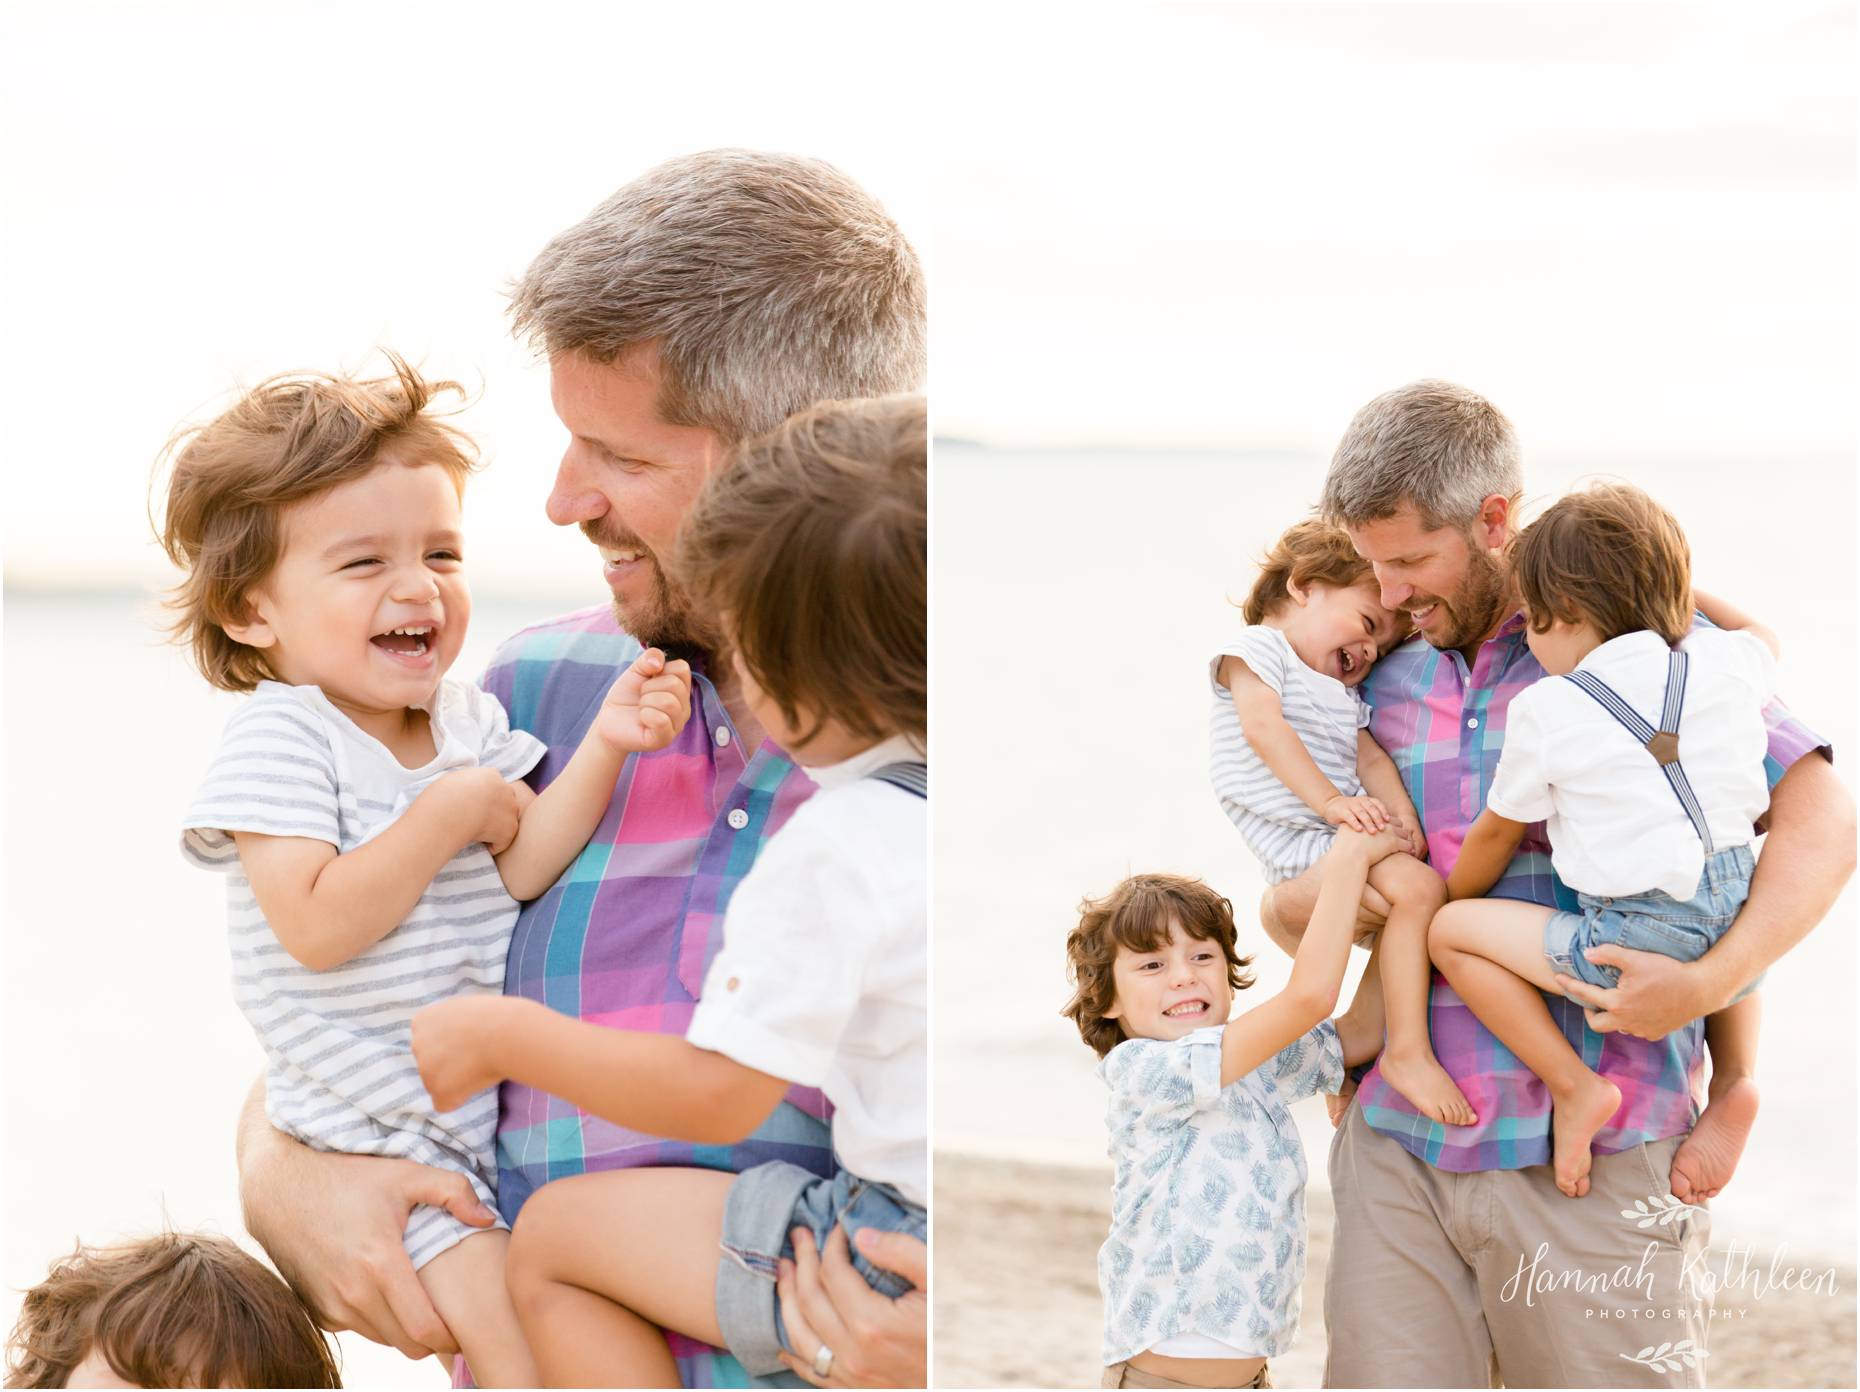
(1202, 1269)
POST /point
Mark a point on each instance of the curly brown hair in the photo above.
(173, 1310)
(1312, 553)
(1609, 555)
(1136, 916)
(229, 481)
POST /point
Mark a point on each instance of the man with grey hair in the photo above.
(699, 306)
(1457, 1219)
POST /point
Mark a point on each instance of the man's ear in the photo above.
(1493, 526)
(254, 630)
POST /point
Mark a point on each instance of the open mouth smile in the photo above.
(1183, 1010)
(411, 645)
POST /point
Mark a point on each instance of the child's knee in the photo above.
(1411, 881)
(1448, 930)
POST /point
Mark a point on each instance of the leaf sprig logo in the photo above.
(1668, 1358)
(1658, 1210)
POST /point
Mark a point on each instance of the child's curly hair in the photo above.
(1312, 553)
(286, 440)
(1136, 915)
(173, 1310)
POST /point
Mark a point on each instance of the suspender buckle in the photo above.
(1664, 747)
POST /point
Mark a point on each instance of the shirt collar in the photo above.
(896, 750)
(1628, 649)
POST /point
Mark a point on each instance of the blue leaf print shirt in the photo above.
(1208, 1206)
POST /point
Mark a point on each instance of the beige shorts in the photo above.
(1123, 1375)
(1456, 1280)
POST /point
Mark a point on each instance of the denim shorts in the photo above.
(763, 1205)
(1653, 922)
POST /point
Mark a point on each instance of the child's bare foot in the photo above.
(1707, 1158)
(1419, 1077)
(1574, 1120)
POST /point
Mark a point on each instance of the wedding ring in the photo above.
(823, 1362)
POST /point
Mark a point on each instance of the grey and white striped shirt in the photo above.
(339, 1071)
(1286, 836)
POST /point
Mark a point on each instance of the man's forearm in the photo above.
(1807, 860)
(263, 1152)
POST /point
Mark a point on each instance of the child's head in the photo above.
(1315, 589)
(808, 551)
(1608, 559)
(1154, 959)
(177, 1310)
(312, 520)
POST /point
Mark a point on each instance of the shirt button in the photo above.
(722, 736)
(732, 984)
(738, 819)
(1473, 723)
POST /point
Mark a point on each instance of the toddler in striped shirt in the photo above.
(368, 813)
(1292, 762)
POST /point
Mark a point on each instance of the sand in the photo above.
(1016, 1291)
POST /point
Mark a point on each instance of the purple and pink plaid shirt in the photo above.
(625, 936)
(1444, 726)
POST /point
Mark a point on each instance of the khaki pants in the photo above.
(1123, 1375)
(1438, 1280)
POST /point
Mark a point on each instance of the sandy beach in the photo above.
(1016, 1291)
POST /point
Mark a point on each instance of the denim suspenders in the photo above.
(911, 775)
(1663, 743)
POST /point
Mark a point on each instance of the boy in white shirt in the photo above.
(1642, 752)
(809, 552)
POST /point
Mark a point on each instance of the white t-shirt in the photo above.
(821, 979)
(1614, 825)
(1286, 836)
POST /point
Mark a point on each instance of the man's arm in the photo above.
(333, 1224)
(1805, 863)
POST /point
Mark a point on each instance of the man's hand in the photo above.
(1655, 995)
(647, 705)
(876, 1341)
(455, 1046)
(1364, 814)
(334, 1226)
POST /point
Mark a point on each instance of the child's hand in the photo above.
(1368, 849)
(1417, 839)
(1337, 1104)
(487, 806)
(1365, 814)
(647, 706)
(455, 1046)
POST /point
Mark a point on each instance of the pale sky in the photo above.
(198, 194)
(1630, 225)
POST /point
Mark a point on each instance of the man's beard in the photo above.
(1476, 606)
(664, 618)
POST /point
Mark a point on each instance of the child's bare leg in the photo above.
(602, 1262)
(1364, 1017)
(466, 1284)
(1706, 1159)
(1414, 893)
(1492, 950)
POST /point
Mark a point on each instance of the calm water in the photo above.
(1078, 597)
(126, 1062)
